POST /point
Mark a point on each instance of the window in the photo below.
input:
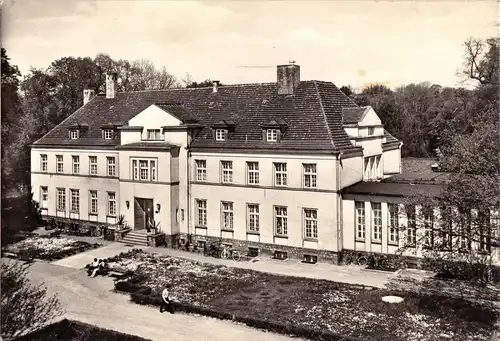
(74, 134)
(371, 131)
(280, 220)
(154, 134)
(484, 222)
(377, 221)
(393, 211)
(280, 174)
(411, 229)
(220, 134)
(253, 217)
(311, 223)
(201, 212)
(446, 228)
(44, 197)
(75, 200)
(76, 164)
(108, 134)
(112, 203)
(360, 220)
(44, 163)
(227, 215)
(201, 170)
(111, 161)
(93, 202)
(59, 164)
(372, 169)
(309, 175)
(61, 199)
(253, 173)
(93, 165)
(465, 229)
(272, 135)
(227, 171)
(428, 227)
(144, 170)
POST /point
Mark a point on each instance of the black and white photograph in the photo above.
(221, 170)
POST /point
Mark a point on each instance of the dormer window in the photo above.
(74, 134)
(220, 134)
(371, 131)
(154, 134)
(108, 134)
(272, 135)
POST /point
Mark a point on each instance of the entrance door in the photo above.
(143, 210)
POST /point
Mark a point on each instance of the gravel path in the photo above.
(90, 300)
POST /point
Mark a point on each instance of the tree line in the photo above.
(34, 104)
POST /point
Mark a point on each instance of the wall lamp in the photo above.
(127, 203)
(158, 208)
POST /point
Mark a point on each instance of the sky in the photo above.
(346, 42)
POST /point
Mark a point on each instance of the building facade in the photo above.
(264, 167)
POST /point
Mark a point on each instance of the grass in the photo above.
(45, 248)
(339, 308)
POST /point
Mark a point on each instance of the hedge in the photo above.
(143, 295)
(66, 330)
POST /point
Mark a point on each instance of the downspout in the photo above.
(339, 206)
(188, 213)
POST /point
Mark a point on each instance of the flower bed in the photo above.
(315, 309)
(46, 248)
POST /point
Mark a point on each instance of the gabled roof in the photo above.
(179, 111)
(354, 115)
(313, 116)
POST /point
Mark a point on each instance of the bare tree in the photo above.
(481, 60)
(145, 76)
(25, 307)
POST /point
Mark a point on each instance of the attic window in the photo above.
(74, 134)
(272, 135)
(220, 134)
(371, 131)
(154, 134)
(108, 134)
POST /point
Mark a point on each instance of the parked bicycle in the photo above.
(212, 250)
(230, 253)
(97, 231)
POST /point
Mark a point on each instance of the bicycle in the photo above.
(97, 231)
(347, 259)
(228, 252)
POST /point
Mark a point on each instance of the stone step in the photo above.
(140, 239)
(134, 242)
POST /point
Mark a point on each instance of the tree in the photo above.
(11, 110)
(145, 76)
(347, 90)
(25, 306)
(465, 232)
(481, 60)
(204, 84)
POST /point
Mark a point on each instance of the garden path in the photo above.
(346, 274)
(91, 300)
(80, 260)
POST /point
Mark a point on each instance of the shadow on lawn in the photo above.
(20, 217)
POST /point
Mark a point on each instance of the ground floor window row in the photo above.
(441, 227)
(70, 199)
(253, 223)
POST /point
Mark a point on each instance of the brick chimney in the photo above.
(215, 86)
(288, 78)
(111, 85)
(88, 94)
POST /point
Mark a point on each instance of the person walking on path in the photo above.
(165, 301)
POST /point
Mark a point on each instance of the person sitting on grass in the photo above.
(99, 269)
(92, 266)
(166, 303)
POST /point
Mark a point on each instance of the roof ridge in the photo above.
(320, 100)
(197, 88)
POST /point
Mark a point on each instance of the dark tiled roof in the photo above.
(353, 115)
(178, 110)
(417, 177)
(313, 115)
(418, 170)
(390, 141)
(393, 189)
(148, 145)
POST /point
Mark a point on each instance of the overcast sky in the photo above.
(347, 42)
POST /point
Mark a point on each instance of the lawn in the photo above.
(341, 309)
(49, 248)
